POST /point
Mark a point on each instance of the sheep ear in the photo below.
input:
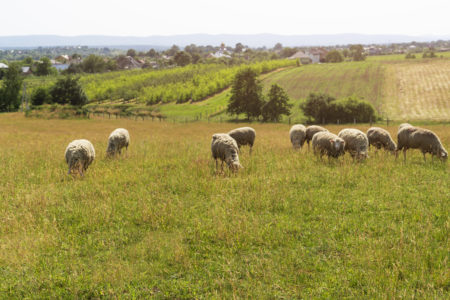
(332, 142)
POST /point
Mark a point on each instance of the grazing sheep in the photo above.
(379, 137)
(404, 125)
(243, 136)
(325, 142)
(356, 142)
(79, 154)
(311, 131)
(118, 139)
(427, 141)
(297, 135)
(225, 148)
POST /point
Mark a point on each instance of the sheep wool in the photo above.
(379, 137)
(297, 135)
(225, 148)
(356, 142)
(427, 141)
(79, 154)
(311, 131)
(325, 142)
(117, 140)
(244, 136)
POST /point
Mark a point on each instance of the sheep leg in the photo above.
(251, 150)
(404, 154)
(68, 173)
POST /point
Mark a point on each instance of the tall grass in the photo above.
(161, 222)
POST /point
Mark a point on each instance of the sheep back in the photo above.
(312, 130)
(297, 134)
(324, 142)
(80, 152)
(118, 139)
(379, 137)
(225, 148)
(356, 142)
(243, 136)
(425, 140)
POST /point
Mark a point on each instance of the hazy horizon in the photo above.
(140, 18)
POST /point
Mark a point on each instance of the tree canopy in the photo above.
(10, 92)
(277, 105)
(246, 94)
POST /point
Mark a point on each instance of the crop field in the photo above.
(161, 222)
(418, 90)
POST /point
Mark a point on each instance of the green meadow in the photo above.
(160, 221)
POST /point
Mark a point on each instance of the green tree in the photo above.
(334, 56)
(10, 92)
(246, 94)
(40, 96)
(152, 53)
(44, 67)
(316, 106)
(68, 91)
(277, 105)
(357, 52)
(93, 64)
(182, 58)
(238, 48)
(28, 61)
(131, 52)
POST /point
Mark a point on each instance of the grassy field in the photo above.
(418, 90)
(160, 222)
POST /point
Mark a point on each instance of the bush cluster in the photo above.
(323, 108)
(66, 90)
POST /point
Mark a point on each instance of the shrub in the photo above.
(40, 96)
(68, 91)
(324, 108)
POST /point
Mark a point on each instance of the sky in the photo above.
(170, 17)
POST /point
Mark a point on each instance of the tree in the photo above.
(356, 52)
(238, 48)
(10, 92)
(278, 47)
(246, 94)
(316, 106)
(182, 58)
(334, 56)
(152, 53)
(172, 51)
(131, 52)
(44, 67)
(40, 96)
(93, 64)
(28, 61)
(277, 105)
(68, 91)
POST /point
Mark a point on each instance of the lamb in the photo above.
(404, 125)
(244, 136)
(118, 139)
(225, 148)
(427, 141)
(356, 142)
(297, 135)
(79, 154)
(379, 137)
(311, 131)
(325, 142)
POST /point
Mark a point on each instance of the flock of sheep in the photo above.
(225, 146)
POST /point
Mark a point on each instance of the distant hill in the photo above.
(252, 40)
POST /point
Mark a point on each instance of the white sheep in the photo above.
(410, 137)
(356, 142)
(311, 131)
(244, 136)
(379, 137)
(325, 142)
(118, 139)
(79, 154)
(297, 134)
(225, 148)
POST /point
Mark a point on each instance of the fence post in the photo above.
(370, 121)
(323, 120)
(354, 120)
(338, 121)
(289, 120)
(387, 121)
